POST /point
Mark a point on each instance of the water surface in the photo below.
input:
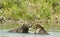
(5, 33)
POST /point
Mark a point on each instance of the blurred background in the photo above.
(46, 12)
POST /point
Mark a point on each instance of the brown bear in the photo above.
(23, 29)
(39, 29)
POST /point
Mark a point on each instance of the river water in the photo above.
(5, 33)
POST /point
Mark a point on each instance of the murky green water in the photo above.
(4, 33)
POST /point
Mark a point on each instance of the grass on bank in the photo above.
(9, 26)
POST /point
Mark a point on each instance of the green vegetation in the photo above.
(30, 10)
(8, 26)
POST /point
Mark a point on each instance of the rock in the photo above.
(2, 19)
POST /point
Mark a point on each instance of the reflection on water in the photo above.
(4, 33)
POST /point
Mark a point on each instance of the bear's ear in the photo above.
(23, 24)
